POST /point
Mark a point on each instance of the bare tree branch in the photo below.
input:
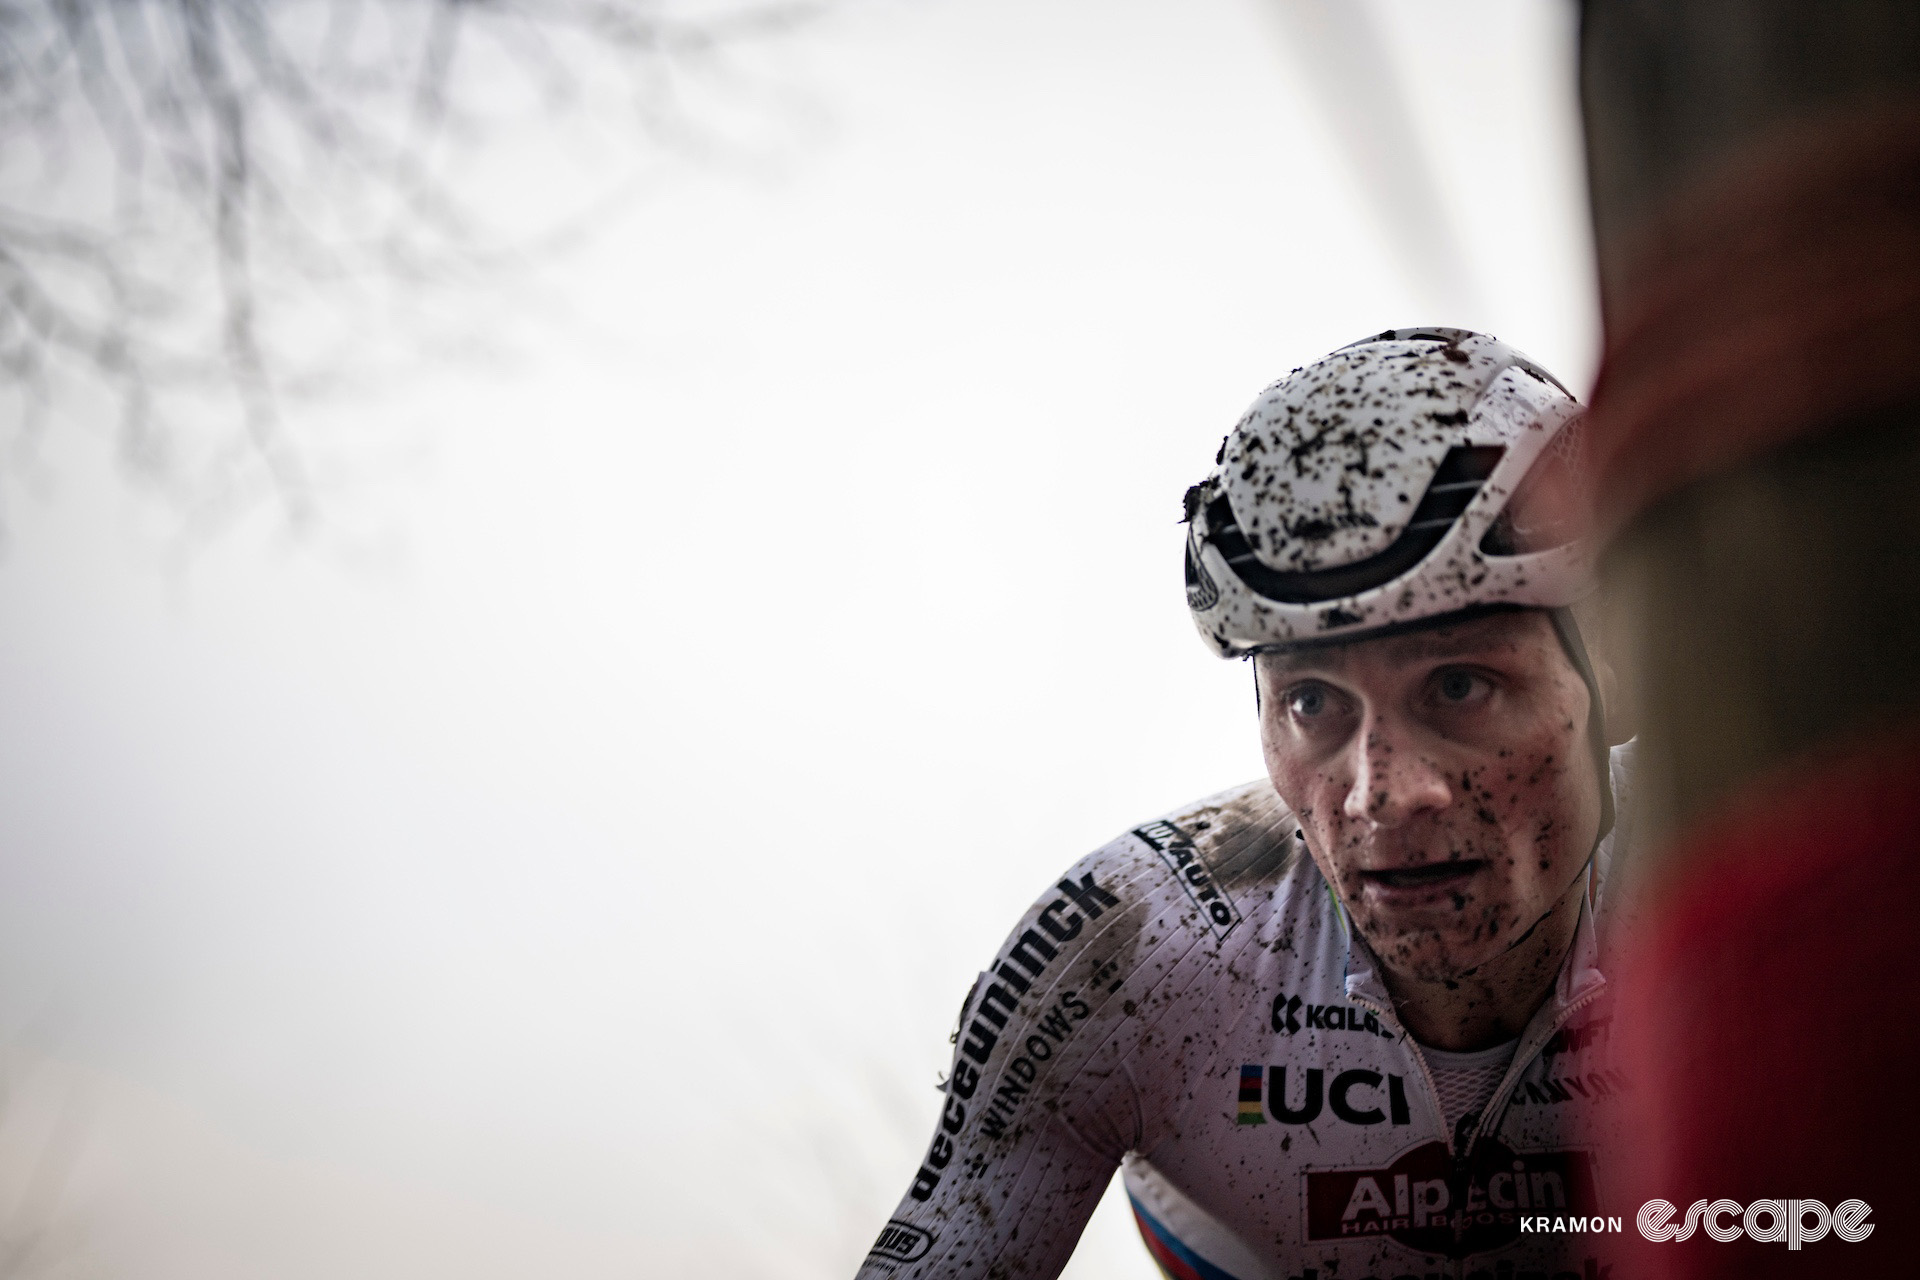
(202, 191)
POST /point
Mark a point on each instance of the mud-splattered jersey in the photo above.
(1188, 1000)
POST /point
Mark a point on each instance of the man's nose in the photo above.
(1392, 779)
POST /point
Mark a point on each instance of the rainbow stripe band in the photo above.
(1176, 1261)
(1251, 1111)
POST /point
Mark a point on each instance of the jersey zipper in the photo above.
(1497, 1104)
(1455, 1268)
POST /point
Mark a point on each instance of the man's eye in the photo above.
(1308, 701)
(1460, 686)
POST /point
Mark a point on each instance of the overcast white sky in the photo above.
(581, 877)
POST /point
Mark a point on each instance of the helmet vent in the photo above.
(1464, 469)
(1202, 594)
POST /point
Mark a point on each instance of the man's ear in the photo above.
(1621, 721)
(1603, 631)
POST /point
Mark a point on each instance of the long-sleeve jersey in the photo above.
(1189, 1003)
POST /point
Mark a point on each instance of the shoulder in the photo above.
(1136, 941)
(1193, 875)
(1225, 855)
(1182, 893)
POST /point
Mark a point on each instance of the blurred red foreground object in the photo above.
(1771, 304)
(1754, 441)
(1769, 1019)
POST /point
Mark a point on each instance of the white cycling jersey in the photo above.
(1188, 1004)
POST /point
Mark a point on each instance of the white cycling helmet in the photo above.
(1412, 476)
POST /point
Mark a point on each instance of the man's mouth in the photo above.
(1435, 875)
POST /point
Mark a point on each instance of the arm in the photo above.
(1075, 1045)
(1036, 1116)
(1020, 1216)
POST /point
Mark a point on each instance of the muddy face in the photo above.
(1442, 780)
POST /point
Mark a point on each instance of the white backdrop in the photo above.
(581, 876)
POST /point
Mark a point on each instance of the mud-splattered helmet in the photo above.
(1409, 477)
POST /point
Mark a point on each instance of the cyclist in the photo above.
(1347, 1020)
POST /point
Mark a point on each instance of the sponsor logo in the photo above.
(995, 999)
(901, 1242)
(1353, 1096)
(1573, 1039)
(1586, 1086)
(1050, 1029)
(1176, 849)
(1428, 1201)
(1291, 1015)
(1768, 1221)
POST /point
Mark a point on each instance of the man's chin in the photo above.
(1428, 956)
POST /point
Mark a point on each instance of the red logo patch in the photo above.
(1426, 1200)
